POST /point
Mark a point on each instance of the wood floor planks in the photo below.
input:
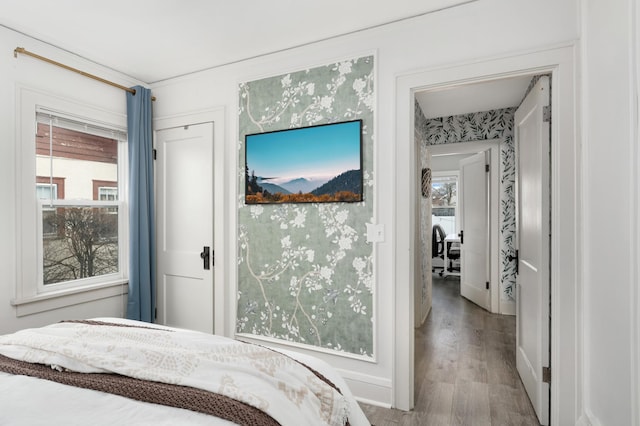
(465, 371)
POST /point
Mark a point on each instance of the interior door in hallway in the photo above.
(532, 242)
(184, 175)
(474, 230)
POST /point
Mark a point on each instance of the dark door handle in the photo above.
(461, 235)
(205, 255)
(512, 258)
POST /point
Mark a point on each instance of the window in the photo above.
(73, 246)
(444, 200)
(46, 191)
(79, 228)
(106, 193)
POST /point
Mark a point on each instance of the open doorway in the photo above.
(565, 325)
(476, 116)
(472, 209)
(454, 123)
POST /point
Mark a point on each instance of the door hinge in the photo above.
(487, 168)
(546, 113)
(546, 374)
(155, 154)
(487, 285)
(155, 313)
(213, 258)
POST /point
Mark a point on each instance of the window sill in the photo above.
(62, 298)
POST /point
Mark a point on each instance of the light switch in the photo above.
(375, 232)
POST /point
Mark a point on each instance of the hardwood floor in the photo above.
(465, 372)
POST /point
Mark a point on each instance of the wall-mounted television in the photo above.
(314, 164)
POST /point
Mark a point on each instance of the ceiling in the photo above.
(155, 40)
(475, 97)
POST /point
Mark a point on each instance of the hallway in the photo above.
(465, 368)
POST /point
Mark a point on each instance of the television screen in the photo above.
(315, 164)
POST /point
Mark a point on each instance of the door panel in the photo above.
(181, 292)
(185, 226)
(474, 220)
(532, 240)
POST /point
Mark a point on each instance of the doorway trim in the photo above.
(493, 146)
(566, 324)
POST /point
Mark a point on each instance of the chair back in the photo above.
(437, 241)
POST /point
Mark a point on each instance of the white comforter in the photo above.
(286, 390)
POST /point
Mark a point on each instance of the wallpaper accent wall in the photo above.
(479, 126)
(305, 271)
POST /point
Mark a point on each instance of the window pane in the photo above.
(80, 241)
(86, 244)
(78, 158)
(444, 198)
(444, 191)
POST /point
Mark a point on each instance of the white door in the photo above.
(532, 242)
(474, 230)
(184, 177)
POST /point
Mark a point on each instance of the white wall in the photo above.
(28, 72)
(447, 163)
(478, 30)
(610, 277)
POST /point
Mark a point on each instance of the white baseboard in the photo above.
(507, 307)
(368, 389)
(374, 403)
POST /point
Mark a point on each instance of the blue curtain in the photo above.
(142, 263)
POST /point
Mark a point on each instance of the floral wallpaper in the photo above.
(305, 271)
(496, 124)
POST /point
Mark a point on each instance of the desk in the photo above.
(450, 239)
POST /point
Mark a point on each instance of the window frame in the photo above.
(31, 295)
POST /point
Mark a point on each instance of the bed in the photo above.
(108, 371)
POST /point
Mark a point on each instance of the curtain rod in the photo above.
(67, 67)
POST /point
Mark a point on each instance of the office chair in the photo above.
(437, 246)
(453, 253)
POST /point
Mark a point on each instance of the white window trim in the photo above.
(30, 296)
